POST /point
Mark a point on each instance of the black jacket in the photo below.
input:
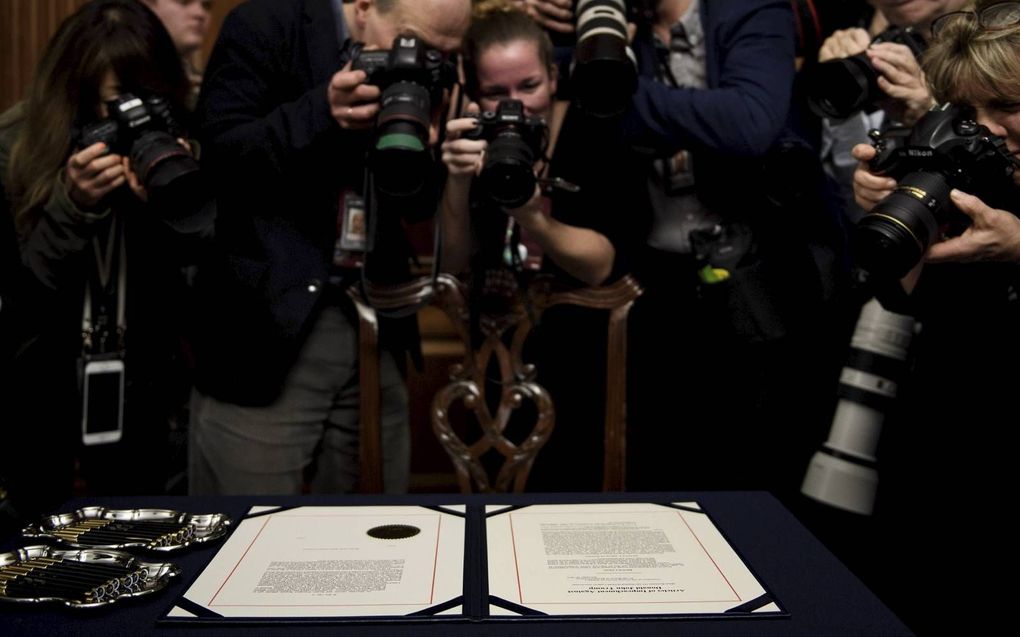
(279, 162)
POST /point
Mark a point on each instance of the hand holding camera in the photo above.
(948, 149)
(516, 142)
(901, 78)
(867, 76)
(92, 173)
(353, 103)
(500, 148)
(993, 235)
(410, 81)
(145, 149)
(462, 153)
(869, 188)
(844, 43)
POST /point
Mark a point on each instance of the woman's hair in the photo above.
(969, 64)
(498, 22)
(122, 36)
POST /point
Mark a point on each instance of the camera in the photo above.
(840, 88)
(844, 472)
(146, 131)
(946, 149)
(412, 78)
(604, 73)
(516, 141)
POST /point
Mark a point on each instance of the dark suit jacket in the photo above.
(736, 120)
(279, 162)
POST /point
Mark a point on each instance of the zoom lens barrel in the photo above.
(844, 472)
(400, 157)
(605, 70)
(893, 236)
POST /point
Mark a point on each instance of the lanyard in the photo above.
(104, 265)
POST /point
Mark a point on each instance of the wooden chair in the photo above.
(503, 341)
(385, 298)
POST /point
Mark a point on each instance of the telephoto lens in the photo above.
(844, 472)
(604, 75)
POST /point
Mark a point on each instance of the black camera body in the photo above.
(516, 142)
(946, 149)
(409, 60)
(840, 88)
(412, 77)
(145, 131)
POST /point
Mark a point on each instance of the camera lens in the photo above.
(602, 58)
(162, 164)
(840, 88)
(891, 239)
(844, 472)
(400, 158)
(507, 176)
(171, 176)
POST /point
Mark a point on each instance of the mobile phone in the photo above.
(102, 414)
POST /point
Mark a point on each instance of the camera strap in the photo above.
(96, 332)
(371, 208)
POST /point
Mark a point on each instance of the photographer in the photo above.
(900, 80)
(968, 64)
(574, 219)
(728, 284)
(507, 56)
(950, 433)
(104, 234)
(286, 126)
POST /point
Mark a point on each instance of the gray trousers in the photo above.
(313, 424)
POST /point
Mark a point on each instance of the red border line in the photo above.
(435, 561)
(517, 566)
(709, 555)
(241, 559)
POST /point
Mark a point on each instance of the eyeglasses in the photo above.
(1001, 15)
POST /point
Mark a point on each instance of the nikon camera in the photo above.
(412, 78)
(516, 141)
(946, 149)
(145, 131)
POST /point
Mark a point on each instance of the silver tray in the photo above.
(194, 528)
(140, 578)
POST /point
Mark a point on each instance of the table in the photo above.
(821, 595)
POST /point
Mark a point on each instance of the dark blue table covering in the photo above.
(821, 595)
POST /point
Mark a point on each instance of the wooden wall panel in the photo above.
(25, 28)
(27, 25)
